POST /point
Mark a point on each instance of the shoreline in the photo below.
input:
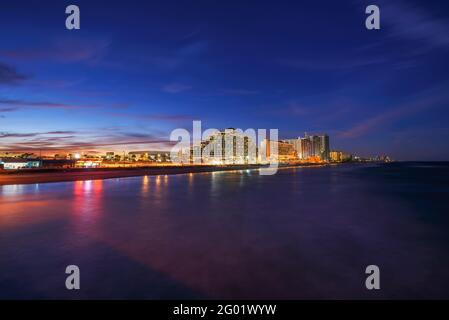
(68, 175)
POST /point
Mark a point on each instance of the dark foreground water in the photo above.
(302, 233)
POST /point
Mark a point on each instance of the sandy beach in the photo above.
(60, 175)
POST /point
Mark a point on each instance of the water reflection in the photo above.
(303, 233)
(145, 185)
(190, 179)
(158, 185)
(87, 204)
(15, 189)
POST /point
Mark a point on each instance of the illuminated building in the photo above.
(316, 146)
(335, 156)
(60, 156)
(296, 146)
(306, 148)
(324, 147)
(230, 146)
(151, 156)
(87, 163)
(285, 153)
(159, 156)
(110, 156)
(138, 155)
(18, 163)
(74, 156)
(340, 156)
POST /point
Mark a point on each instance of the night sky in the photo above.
(138, 69)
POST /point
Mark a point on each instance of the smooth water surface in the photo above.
(302, 233)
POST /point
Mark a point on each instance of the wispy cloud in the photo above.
(409, 21)
(378, 121)
(176, 88)
(172, 59)
(411, 27)
(32, 134)
(10, 109)
(331, 63)
(163, 117)
(72, 143)
(61, 132)
(62, 50)
(238, 92)
(193, 49)
(292, 109)
(9, 75)
(40, 104)
(169, 117)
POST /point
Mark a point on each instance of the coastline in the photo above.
(67, 175)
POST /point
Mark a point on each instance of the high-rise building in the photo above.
(316, 146)
(335, 156)
(339, 156)
(285, 151)
(306, 148)
(230, 146)
(151, 156)
(319, 146)
(324, 147)
(296, 143)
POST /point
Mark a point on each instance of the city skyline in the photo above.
(231, 145)
(132, 78)
(224, 158)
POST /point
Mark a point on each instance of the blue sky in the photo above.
(138, 69)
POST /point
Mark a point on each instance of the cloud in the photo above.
(378, 121)
(56, 83)
(177, 57)
(169, 117)
(9, 75)
(61, 132)
(294, 108)
(136, 135)
(164, 62)
(16, 135)
(65, 141)
(62, 50)
(331, 63)
(11, 109)
(238, 92)
(39, 104)
(406, 21)
(32, 134)
(176, 88)
(193, 49)
(410, 28)
(52, 145)
(164, 117)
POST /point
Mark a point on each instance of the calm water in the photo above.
(303, 233)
